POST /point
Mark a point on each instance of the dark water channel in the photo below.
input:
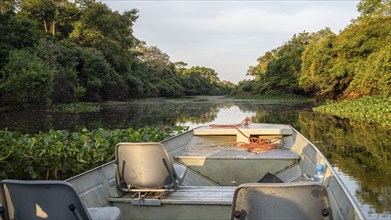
(361, 153)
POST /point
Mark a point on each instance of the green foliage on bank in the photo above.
(353, 63)
(60, 154)
(61, 51)
(370, 109)
(274, 98)
(76, 107)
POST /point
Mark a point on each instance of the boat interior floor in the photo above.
(230, 166)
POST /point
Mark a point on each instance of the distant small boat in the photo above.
(251, 171)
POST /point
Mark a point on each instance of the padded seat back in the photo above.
(281, 201)
(40, 200)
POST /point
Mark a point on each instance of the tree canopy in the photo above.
(372, 8)
(83, 51)
(59, 51)
(351, 64)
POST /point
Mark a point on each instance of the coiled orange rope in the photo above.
(256, 144)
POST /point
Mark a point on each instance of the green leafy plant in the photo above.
(76, 107)
(370, 109)
(60, 154)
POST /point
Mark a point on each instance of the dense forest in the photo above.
(60, 51)
(354, 63)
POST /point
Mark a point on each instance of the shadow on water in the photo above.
(361, 152)
(135, 114)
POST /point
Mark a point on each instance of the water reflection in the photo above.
(152, 112)
(361, 152)
(135, 114)
(226, 114)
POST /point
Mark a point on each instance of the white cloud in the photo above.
(229, 36)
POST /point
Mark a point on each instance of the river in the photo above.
(360, 152)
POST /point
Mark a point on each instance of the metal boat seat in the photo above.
(305, 200)
(146, 167)
(48, 200)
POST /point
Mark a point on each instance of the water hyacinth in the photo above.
(375, 109)
(60, 154)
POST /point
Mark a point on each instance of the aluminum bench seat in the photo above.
(187, 202)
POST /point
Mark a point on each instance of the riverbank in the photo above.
(274, 99)
(374, 109)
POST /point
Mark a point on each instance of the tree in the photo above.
(283, 68)
(50, 13)
(372, 8)
(208, 73)
(110, 32)
(153, 56)
(180, 66)
(94, 72)
(261, 68)
(26, 80)
(8, 6)
(374, 74)
(67, 58)
(354, 45)
(202, 81)
(84, 3)
(16, 33)
(317, 60)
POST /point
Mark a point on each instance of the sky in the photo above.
(229, 36)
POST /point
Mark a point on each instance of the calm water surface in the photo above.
(360, 152)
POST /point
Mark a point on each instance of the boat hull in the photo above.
(214, 172)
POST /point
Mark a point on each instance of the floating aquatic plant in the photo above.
(376, 109)
(60, 154)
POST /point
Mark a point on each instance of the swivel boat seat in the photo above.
(146, 168)
(304, 200)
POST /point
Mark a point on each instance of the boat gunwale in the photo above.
(89, 171)
(339, 180)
